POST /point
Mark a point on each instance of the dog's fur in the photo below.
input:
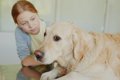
(82, 55)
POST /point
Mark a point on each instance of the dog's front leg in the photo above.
(54, 73)
(75, 76)
(51, 75)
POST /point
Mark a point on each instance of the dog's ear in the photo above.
(77, 44)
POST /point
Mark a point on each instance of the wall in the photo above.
(8, 53)
(88, 14)
(91, 15)
(113, 16)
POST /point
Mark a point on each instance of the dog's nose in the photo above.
(39, 55)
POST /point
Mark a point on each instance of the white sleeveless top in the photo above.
(36, 40)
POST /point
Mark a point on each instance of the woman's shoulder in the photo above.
(20, 33)
(18, 30)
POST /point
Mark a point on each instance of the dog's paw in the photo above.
(48, 76)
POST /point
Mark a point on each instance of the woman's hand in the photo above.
(30, 61)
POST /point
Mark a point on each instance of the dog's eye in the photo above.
(45, 34)
(56, 38)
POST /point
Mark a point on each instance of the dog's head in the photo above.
(61, 39)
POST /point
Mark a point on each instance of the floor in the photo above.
(8, 72)
(16, 72)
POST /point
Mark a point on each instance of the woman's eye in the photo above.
(56, 38)
(32, 19)
(23, 23)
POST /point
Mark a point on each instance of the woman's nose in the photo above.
(30, 24)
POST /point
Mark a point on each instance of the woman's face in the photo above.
(29, 22)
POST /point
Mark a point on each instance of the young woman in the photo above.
(29, 32)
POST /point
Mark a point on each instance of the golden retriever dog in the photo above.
(78, 54)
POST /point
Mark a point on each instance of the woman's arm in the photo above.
(23, 44)
(28, 73)
(30, 61)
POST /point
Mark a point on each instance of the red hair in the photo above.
(21, 6)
